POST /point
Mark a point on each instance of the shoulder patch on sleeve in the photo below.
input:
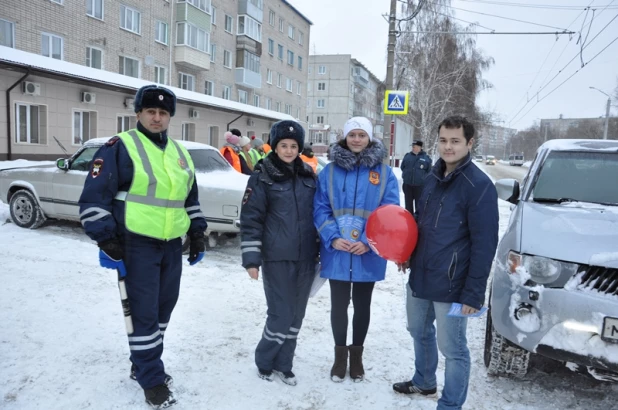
(247, 195)
(112, 141)
(97, 166)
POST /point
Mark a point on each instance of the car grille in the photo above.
(603, 280)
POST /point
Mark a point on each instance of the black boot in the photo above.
(337, 373)
(357, 372)
(169, 381)
(159, 397)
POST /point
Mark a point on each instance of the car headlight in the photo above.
(540, 269)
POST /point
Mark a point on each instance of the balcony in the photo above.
(248, 78)
(191, 58)
(250, 9)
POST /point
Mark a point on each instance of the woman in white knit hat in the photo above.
(245, 146)
(354, 184)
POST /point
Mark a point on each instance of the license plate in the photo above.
(610, 329)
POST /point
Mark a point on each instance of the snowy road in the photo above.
(62, 344)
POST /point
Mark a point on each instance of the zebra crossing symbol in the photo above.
(396, 102)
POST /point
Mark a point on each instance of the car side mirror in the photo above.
(62, 163)
(508, 190)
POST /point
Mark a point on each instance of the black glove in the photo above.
(112, 248)
(196, 247)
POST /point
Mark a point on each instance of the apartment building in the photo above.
(340, 87)
(495, 140)
(221, 51)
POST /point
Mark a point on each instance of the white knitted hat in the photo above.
(358, 123)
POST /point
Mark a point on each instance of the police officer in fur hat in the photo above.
(138, 218)
(278, 236)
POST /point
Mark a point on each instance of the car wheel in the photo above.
(501, 357)
(25, 210)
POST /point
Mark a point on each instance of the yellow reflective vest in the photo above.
(162, 180)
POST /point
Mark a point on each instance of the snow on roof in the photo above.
(97, 142)
(19, 57)
(579, 145)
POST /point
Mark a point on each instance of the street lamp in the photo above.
(609, 102)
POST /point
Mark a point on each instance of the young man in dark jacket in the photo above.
(457, 219)
(415, 166)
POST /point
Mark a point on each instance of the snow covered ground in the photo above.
(62, 344)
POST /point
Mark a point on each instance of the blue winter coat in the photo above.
(101, 215)
(349, 189)
(458, 236)
(415, 168)
(275, 220)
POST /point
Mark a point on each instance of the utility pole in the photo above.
(609, 102)
(390, 63)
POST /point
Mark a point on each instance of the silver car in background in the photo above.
(554, 287)
(37, 193)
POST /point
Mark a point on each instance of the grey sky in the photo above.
(357, 27)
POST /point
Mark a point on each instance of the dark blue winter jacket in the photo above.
(458, 235)
(101, 215)
(276, 220)
(415, 168)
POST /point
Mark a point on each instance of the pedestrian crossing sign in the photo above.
(396, 102)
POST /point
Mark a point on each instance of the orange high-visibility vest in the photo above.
(266, 148)
(313, 162)
(235, 160)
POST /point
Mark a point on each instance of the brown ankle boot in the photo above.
(357, 372)
(337, 373)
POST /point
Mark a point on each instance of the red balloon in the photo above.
(392, 233)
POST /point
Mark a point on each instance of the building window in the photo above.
(280, 25)
(298, 112)
(209, 88)
(213, 53)
(129, 66)
(288, 84)
(94, 8)
(130, 19)
(161, 32)
(290, 57)
(279, 80)
(320, 119)
(288, 109)
(226, 92)
(271, 18)
(7, 33)
(213, 135)
(203, 5)
(291, 31)
(125, 123)
(271, 46)
(227, 59)
(160, 75)
(269, 76)
(213, 16)
(94, 57)
(250, 28)
(242, 96)
(321, 86)
(187, 132)
(300, 63)
(248, 60)
(229, 24)
(310, 70)
(31, 123)
(299, 87)
(322, 69)
(280, 51)
(186, 81)
(278, 106)
(269, 104)
(256, 100)
(51, 46)
(321, 103)
(84, 126)
(57, 1)
(192, 36)
(301, 38)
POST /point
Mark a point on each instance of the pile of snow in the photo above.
(23, 163)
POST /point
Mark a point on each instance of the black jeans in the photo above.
(412, 194)
(340, 300)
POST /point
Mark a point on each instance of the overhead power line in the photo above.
(535, 6)
(554, 33)
(507, 18)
